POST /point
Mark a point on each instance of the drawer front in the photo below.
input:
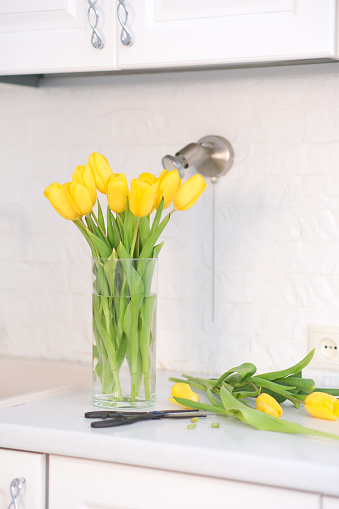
(95, 484)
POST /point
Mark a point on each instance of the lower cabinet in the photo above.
(30, 470)
(76, 484)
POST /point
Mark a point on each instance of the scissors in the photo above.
(115, 418)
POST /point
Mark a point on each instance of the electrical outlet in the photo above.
(325, 340)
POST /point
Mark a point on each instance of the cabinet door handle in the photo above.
(125, 36)
(96, 39)
(15, 488)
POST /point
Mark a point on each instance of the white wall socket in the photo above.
(325, 339)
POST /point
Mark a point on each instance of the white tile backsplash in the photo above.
(276, 217)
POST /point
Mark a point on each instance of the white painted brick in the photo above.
(272, 288)
(322, 124)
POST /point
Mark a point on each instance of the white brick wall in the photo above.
(277, 211)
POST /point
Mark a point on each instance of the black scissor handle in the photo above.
(122, 421)
(102, 414)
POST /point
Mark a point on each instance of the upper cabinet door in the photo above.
(42, 36)
(169, 33)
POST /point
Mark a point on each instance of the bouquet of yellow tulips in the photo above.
(124, 250)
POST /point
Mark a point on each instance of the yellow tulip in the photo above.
(101, 170)
(83, 175)
(117, 192)
(182, 390)
(265, 403)
(168, 185)
(80, 197)
(141, 198)
(149, 178)
(60, 199)
(189, 192)
(322, 405)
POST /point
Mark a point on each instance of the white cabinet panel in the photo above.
(94, 484)
(180, 32)
(54, 36)
(30, 466)
(330, 503)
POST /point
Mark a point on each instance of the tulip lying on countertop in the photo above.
(229, 393)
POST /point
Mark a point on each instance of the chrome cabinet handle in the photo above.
(15, 488)
(96, 39)
(125, 36)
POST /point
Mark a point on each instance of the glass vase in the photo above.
(124, 332)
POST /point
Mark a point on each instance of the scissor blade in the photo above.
(184, 416)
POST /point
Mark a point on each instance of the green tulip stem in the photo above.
(134, 344)
(135, 233)
(146, 385)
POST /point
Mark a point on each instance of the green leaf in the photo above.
(273, 375)
(203, 381)
(242, 394)
(333, 392)
(283, 390)
(110, 231)
(157, 249)
(144, 230)
(244, 370)
(90, 224)
(104, 250)
(148, 247)
(95, 230)
(201, 406)
(128, 227)
(120, 226)
(191, 384)
(101, 220)
(306, 385)
(134, 280)
(122, 351)
(157, 216)
(214, 399)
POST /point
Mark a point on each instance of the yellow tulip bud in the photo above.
(182, 390)
(60, 199)
(322, 405)
(117, 192)
(80, 197)
(168, 185)
(141, 198)
(189, 192)
(265, 403)
(83, 175)
(101, 170)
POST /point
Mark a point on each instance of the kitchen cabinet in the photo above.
(27, 465)
(181, 32)
(55, 36)
(99, 484)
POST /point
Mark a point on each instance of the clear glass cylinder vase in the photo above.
(124, 332)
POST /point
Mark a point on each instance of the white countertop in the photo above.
(234, 451)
